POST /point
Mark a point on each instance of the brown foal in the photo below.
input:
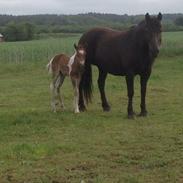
(61, 66)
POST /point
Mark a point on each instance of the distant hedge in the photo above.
(18, 32)
(19, 28)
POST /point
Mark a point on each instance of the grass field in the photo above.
(38, 146)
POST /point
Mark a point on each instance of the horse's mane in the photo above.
(140, 26)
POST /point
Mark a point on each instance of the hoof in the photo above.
(54, 111)
(106, 108)
(143, 114)
(82, 108)
(131, 115)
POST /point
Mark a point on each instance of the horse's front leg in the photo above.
(101, 86)
(75, 83)
(130, 88)
(81, 99)
(143, 82)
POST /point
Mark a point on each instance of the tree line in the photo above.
(17, 28)
(18, 31)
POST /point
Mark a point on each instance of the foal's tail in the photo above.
(49, 66)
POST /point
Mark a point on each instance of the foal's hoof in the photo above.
(54, 111)
(82, 108)
(106, 108)
(143, 114)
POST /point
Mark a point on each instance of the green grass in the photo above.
(36, 50)
(172, 44)
(38, 146)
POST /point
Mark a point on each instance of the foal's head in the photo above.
(80, 54)
(153, 29)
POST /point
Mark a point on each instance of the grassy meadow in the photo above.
(38, 146)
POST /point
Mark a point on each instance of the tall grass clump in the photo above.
(172, 44)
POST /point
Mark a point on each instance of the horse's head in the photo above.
(153, 31)
(80, 53)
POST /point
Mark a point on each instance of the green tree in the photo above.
(19, 32)
(11, 32)
(29, 30)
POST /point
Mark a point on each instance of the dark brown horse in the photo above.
(127, 53)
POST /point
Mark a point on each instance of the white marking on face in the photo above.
(82, 62)
(81, 52)
(71, 61)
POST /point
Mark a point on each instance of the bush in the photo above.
(19, 32)
(179, 21)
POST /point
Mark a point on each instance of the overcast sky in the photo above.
(24, 7)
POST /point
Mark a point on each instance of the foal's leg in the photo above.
(130, 88)
(58, 86)
(101, 85)
(75, 83)
(53, 92)
(143, 82)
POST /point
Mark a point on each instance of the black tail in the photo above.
(89, 39)
(86, 81)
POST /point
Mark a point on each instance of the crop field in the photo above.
(39, 146)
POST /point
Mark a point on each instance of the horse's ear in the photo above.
(147, 17)
(75, 46)
(160, 16)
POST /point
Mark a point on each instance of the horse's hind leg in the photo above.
(101, 85)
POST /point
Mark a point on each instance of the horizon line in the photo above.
(73, 14)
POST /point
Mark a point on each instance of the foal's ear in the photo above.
(75, 46)
(147, 17)
(159, 16)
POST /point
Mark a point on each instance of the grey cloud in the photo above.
(84, 6)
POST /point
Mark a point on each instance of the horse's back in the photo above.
(94, 35)
(104, 49)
